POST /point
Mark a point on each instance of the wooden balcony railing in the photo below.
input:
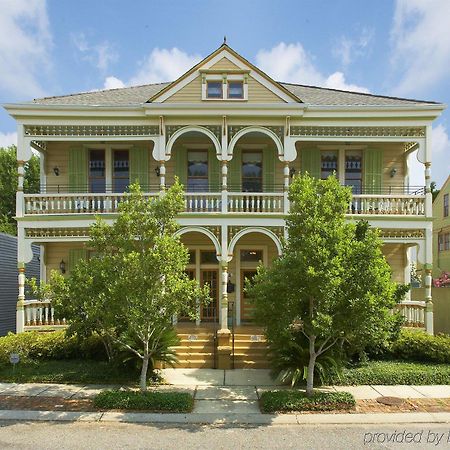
(215, 202)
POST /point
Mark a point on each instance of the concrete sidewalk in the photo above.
(223, 397)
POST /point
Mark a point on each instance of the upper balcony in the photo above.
(252, 177)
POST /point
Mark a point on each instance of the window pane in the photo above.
(329, 163)
(252, 172)
(214, 89)
(121, 170)
(197, 171)
(235, 89)
(353, 170)
(251, 255)
(192, 256)
(97, 181)
(208, 257)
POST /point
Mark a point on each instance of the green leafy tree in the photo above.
(135, 282)
(331, 285)
(8, 185)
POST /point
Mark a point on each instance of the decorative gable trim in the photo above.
(225, 52)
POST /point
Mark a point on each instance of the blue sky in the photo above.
(393, 47)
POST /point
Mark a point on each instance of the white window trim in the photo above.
(224, 78)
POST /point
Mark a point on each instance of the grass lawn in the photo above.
(68, 371)
(395, 372)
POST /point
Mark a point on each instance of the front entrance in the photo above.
(209, 313)
(247, 308)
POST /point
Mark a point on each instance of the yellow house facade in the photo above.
(441, 231)
(235, 138)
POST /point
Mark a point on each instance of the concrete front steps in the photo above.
(250, 351)
(196, 350)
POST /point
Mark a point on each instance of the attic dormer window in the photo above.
(214, 89)
(235, 89)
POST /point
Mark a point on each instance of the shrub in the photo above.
(291, 401)
(36, 345)
(176, 402)
(394, 372)
(420, 346)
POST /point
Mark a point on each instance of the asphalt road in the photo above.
(58, 435)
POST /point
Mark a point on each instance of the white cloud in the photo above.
(160, 65)
(113, 83)
(291, 63)
(100, 55)
(164, 65)
(8, 139)
(25, 41)
(347, 49)
(421, 43)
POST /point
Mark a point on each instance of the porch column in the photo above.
(20, 308)
(286, 176)
(223, 335)
(224, 198)
(429, 328)
(162, 175)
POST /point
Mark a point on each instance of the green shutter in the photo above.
(311, 162)
(213, 171)
(181, 165)
(269, 170)
(234, 171)
(75, 254)
(78, 169)
(139, 167)
(373, 171)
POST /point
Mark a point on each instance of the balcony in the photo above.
(399, 202)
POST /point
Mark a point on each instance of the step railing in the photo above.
(413, 312)
(40, 313)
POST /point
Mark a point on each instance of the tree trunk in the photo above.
(143, 382)
(311, 365)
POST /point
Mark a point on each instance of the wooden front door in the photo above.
(210, 312)
(247, 308)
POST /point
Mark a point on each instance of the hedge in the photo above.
(420, 346)
(291, 401)
(36, 345)
(394, 372)
(175, 402)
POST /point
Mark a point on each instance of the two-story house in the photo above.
(235, 137)
(441, 231)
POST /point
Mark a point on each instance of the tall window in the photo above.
(440, 242)
(97, 179)
(353, 170)
(447, 241)
(328, 163)
(446, 205)
(252, 172)
(197, 176)
(121, 170)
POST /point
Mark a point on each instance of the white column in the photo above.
(162, 175)
(198, 276)
(407, 270)
(286, 176)
(224, 296)
(224, 195)
(20, 308)
(429, 328)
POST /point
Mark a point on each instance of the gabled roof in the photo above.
(293, 93)
(443, 189)
(225, 51)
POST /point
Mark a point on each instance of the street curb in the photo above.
(226, 419)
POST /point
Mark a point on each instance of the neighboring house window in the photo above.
(252, 172)
(197, 176)
(440, 242)
(235, 89)
(214, 89)
(121, 170)
(353, 170)
(446, 205)
(447, 241)
(328, 164)
(97, 178)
